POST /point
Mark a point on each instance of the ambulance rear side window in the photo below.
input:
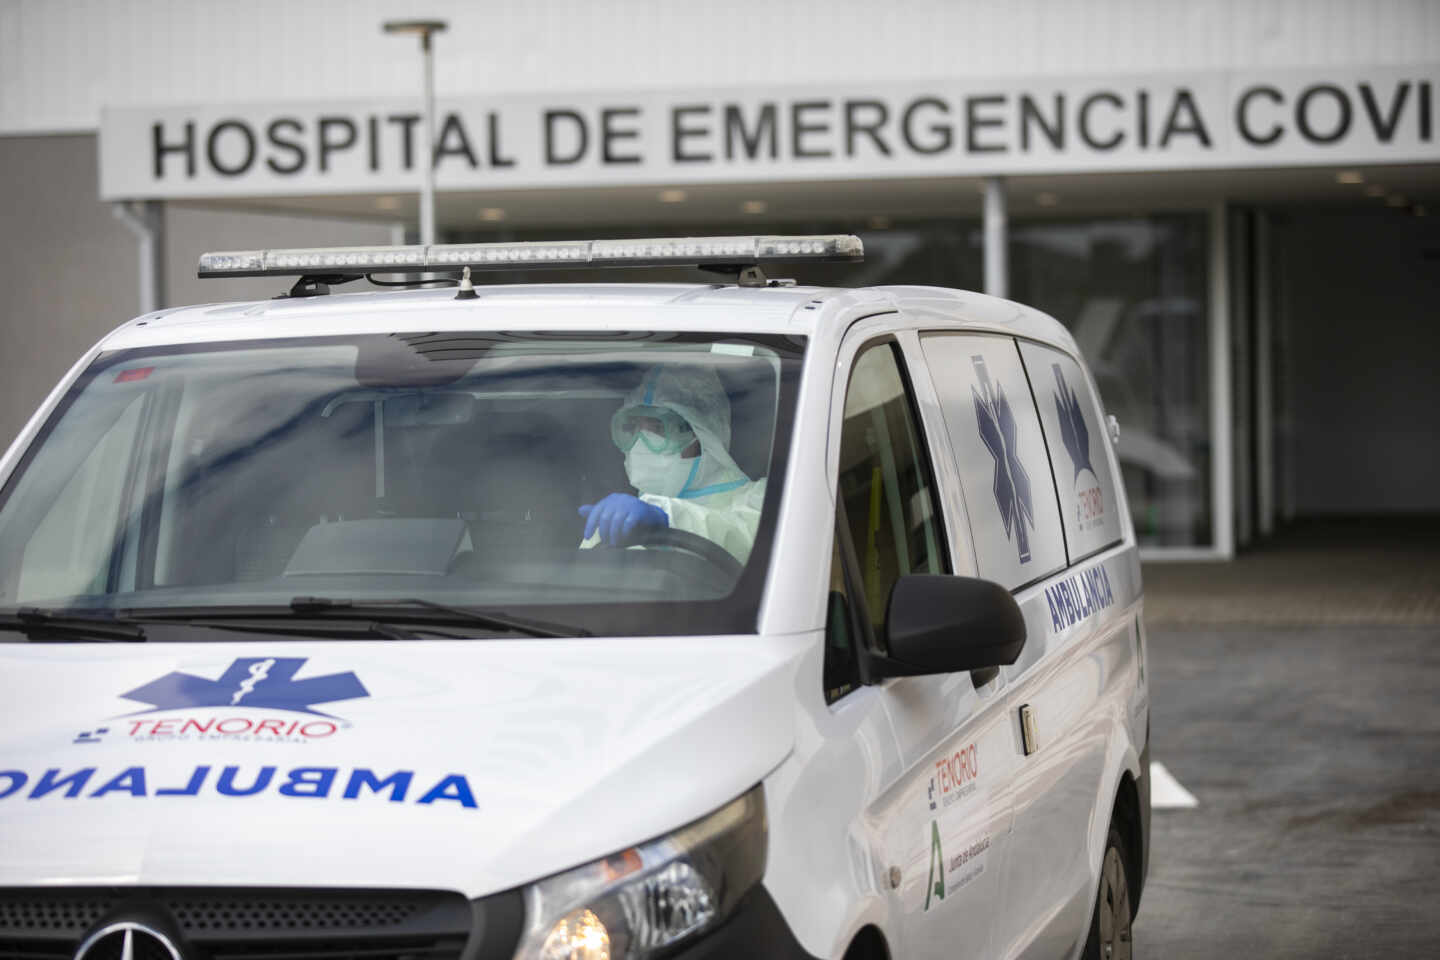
(1079, 445)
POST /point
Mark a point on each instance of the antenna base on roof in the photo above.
(745, 274)
(317, 284)
(752, 276)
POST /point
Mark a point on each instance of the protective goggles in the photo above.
(661, 430)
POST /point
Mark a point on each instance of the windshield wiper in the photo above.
(293, 627)
(393, 619)
(72, 626)
(409, 607)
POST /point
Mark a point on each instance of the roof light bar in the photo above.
(452, 257)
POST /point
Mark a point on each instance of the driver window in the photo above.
(885, 481)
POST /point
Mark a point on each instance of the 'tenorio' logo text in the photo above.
(955, 776)
(241, 704)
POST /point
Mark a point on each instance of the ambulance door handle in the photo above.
(1029, 730)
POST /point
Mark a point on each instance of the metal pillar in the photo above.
(425, 30)
(1264, 381)
(146, 219)
(1222, 477)
(427, 156)
(1242, 359)
(997, 271)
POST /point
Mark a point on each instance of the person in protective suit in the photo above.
(674, 429)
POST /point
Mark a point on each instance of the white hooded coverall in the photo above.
(718, 501)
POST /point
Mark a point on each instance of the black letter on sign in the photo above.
(213, 155)
(973, 123)
(1085, 105)
(407, 123)
(1030, 113)
(1194, 125)
(799, 128)
(764, 130)
(608, 135)
(1302, 113)
(907, 127)
(372, 141)
(328, 145)
(583, 137)
(679, 133)
(880, 114)
(496, 160)
(1425, 111)
(1241, 116)
(1385, 127)
(446, 149)
(186, 146)
(272, 133)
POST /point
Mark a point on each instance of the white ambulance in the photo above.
(571, 621)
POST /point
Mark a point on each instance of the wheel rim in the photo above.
(1114, 909)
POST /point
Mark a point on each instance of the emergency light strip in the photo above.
(452, 257)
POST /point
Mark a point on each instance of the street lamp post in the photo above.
(424, 29)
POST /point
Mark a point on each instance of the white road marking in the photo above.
(1166, 793)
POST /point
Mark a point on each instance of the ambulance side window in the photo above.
(1075, 434)
(886, 485)
(1000, 451)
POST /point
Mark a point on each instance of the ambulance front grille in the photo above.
(262, 924)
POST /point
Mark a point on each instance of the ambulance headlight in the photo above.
(650, 897)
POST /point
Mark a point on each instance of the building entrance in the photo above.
(1358, 395)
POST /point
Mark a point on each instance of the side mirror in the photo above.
(945, 624)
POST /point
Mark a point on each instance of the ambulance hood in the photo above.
(472, 766)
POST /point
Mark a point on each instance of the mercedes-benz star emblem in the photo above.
(128, 941)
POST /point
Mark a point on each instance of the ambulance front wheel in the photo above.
(1112, 925)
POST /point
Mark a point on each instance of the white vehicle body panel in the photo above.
(555, 759)
(551, 758)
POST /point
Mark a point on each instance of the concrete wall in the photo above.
(61, 62)
(1360, 351)
(191, 232)
(69, 271)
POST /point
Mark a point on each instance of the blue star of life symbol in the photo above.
(261, 682)
(1012, 483)
(1072, 424)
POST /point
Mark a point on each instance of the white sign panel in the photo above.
(963, 127)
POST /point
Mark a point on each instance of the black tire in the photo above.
(1112, 923)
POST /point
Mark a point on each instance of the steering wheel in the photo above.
(694, 544)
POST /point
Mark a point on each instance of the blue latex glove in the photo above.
(619, 517)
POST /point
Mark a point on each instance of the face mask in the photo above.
(663, 474)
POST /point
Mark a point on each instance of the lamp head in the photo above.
(421, 28)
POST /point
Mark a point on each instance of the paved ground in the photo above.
(1314, 751)
(1315, 756)
(1364, 572)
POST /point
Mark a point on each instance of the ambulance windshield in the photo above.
(460, 469)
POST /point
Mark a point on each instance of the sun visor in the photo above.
(418, 359)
